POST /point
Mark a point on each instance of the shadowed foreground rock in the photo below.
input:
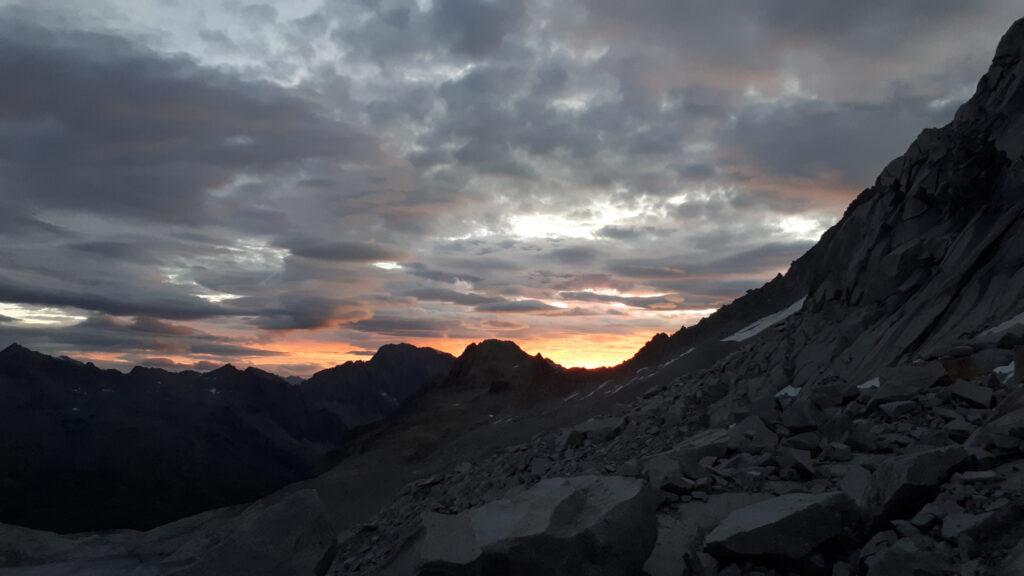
(587, 525)
(284, 535)
(789, 526)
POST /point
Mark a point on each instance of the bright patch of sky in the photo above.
(582, 225)
(41, 315)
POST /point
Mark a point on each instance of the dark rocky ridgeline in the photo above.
(362, 393)
(501, 367)
(84, 449)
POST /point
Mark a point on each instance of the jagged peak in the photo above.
(494, 345)
(224, 370)
(15, 348)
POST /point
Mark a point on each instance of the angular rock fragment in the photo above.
(593, 524)
(972, 393)
(902, 484)
(787, 527)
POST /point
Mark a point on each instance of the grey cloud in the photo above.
(451, 296)
(423, 271)
(97, 124)
(477, 28)
(518, 306)
(647, 302)
(574, 254)
(343, 251)
(173, 306)
(407, 327)
(140, 337)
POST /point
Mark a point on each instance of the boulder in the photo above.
(752, 435)
(902, 484)
(803, 415)
(601, 525)
(917, 376)
(905, 558)
(289, 536)
(665, 474)
(786, 527)
(712, 442)
(972, 393)
(1006, 431)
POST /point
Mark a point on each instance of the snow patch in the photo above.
(788, 392)
(766, 322)
(1005, 373)
(667, 364)
(870, 384)
(1014, 322)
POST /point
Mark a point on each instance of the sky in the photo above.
(293, 184)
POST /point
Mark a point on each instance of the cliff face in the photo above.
(932, 254)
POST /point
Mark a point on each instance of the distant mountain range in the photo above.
(86, 448)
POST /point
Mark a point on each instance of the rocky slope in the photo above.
(84, 448)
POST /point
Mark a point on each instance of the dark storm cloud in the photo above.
(137, 338)
(768, 257)
(117, 250)
(451, 296)
(343, 251)
(580, 255)
(476, 28)
(423, 271)
(823, 138)
(173, 306)
(518, 306)
(412, 327)
(97, 124)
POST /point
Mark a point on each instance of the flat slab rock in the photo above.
(787, 527)
(600, 525)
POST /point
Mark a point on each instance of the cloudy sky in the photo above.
(293, 184)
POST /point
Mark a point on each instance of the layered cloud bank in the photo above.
(293, 184)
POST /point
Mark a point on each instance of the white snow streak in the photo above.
(764, 323)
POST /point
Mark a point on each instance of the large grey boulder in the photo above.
(901, 485)
(786, 527)
(287, 536)
(586, 525)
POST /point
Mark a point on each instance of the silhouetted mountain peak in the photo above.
(15, 350)
(226, 370)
